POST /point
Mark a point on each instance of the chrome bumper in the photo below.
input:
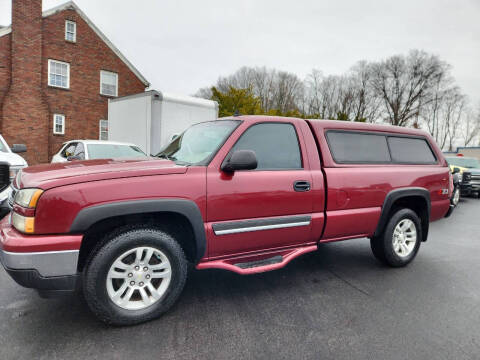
(47, 264)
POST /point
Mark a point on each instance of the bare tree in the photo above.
(365, 102)
(471, 128)
(277, 90)
(405, 84)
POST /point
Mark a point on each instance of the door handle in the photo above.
(301, 185)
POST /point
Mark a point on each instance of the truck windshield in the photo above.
(198, 143)
(470, 163)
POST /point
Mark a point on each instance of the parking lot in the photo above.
(338, 303)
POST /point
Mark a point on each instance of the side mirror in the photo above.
(240, 160)
(19, 148)
(456, 170)
(74, 157)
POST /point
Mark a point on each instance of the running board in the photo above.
(254, 264)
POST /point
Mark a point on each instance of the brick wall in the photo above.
(25, 112)
(5, 68)
(29, 119)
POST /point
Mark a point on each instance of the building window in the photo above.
(103, 130)
(108, 83)
(59, 124)
(70, 31)
(59, 74)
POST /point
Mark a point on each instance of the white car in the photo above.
(96, 149)
(16, 162)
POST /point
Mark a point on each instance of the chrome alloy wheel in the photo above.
(404, 237)
(456, 196)
(138, 278)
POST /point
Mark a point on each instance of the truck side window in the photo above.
(410, 150)
(275, 145)
(355, 147)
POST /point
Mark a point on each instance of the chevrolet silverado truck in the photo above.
(470, 169)
(246, 194)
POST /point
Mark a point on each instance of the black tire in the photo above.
(113, 246)
(382, 245)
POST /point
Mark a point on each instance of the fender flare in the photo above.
(397, 194)
(189, 209)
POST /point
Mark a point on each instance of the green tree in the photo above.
(235, 99)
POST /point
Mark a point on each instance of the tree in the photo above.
(278, 91)
(406, 83)
(471, 128)
(233, 100)
(405, 90)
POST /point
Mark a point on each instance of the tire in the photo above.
(401, 249)
(456, 196)
(166, 268)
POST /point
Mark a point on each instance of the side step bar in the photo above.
(254, 264)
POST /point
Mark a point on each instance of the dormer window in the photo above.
(70, 31)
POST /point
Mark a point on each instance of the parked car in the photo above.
(246, 194)
(469, 167)
(96, 149)
(16, 162)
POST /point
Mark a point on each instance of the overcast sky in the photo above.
(180, 46)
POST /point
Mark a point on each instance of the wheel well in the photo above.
(177, 225)
(419, 205)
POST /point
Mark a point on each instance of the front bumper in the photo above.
(46, 263)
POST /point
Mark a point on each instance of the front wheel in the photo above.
(456, 196)
(137, 275)
(400, 241)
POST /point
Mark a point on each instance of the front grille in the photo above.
(4, 175)
(467, 176)
(11, 197)
(475, 179)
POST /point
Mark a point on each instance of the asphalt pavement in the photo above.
(337, 303)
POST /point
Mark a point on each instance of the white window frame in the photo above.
(100, 129)
(67, 22)
(50, 61)
(102, 72)
(55, 124)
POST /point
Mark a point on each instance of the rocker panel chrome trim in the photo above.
(236, 227)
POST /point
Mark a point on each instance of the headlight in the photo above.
(23, 224)
(28, 198)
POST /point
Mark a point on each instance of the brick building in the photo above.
(57, 72)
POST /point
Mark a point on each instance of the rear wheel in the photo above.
(400, 241)
(136, 275)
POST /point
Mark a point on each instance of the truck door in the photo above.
(266, 208)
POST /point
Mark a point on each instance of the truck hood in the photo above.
(60, 174)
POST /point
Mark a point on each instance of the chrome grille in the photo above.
(11, 197)
(4, 175)
(466, 177)
(475, 178)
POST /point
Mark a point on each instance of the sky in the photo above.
(180, 46)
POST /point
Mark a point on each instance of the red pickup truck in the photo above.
(246, 194)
